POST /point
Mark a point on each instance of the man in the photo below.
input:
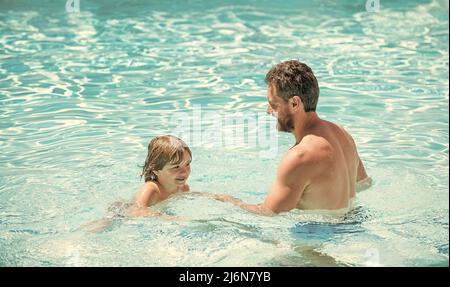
(322, 169)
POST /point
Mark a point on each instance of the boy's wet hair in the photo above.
(163, 150)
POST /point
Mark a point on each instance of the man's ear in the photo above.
(296, 103)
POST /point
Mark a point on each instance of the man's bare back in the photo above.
(333, 174)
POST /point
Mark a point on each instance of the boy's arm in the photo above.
(147, 196)
(139, 211)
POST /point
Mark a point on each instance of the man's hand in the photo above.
(254, 208)
(364, 184)
(226, 198)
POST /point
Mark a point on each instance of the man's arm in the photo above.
(363, 181)
(254, 208)
(292, 178)
(362, 174)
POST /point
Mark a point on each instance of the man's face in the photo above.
(279, 108)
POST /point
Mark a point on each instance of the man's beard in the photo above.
(286, 124)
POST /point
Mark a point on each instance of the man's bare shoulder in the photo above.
(343, 131)
(315, 148)
(303, 155)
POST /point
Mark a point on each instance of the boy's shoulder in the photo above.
(150, 187)
(148, 194)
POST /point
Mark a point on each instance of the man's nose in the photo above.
(269, 110)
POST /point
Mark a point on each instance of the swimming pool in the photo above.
(82, 93)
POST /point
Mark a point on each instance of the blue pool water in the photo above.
(82, 93)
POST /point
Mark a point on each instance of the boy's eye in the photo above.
(178, 166)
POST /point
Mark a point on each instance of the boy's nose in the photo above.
(269, 110)
(184, 170)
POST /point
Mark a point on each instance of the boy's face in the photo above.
(176, 174)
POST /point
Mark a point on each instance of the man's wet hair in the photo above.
(294, 78)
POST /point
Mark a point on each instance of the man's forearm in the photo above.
(256, 208)
(364, 184)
